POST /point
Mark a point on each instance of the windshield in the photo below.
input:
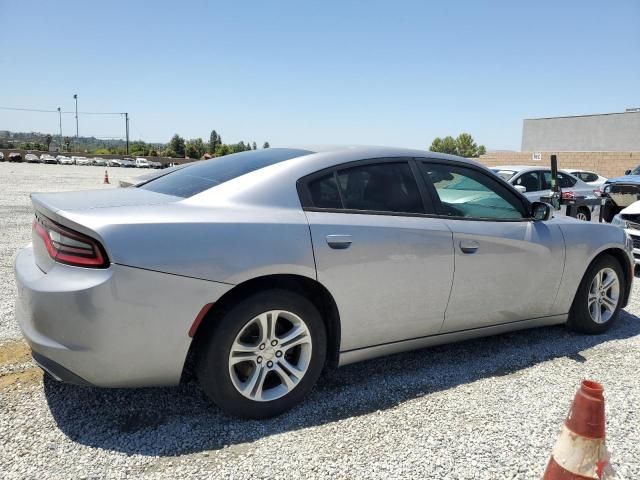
(505, 174)
(201, 176)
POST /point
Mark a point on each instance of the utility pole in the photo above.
(75, 97)
(60, 119)
(126, 124)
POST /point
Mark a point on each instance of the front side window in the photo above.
(375, 187)
(530, 181)
(468, 193)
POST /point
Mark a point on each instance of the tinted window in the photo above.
(564, 181)
(383, 187)
(324, 192)
(465, 192)
(505, 174)
(589, 177)
(203, 175)
(530, 181)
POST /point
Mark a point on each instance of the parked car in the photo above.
(155, 164)
(98, 161)
(46, 158)
(114, 162)
(1, 157)
(63, 160)
(142, 163)
(81, 160)
(535, 182)
(588, 177)
(31, 158)
(15, 157)
(629, 220)
(128, 163)
(622, 191)
(270, 264)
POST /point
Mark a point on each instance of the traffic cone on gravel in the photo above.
(581, 452)
(106, 177)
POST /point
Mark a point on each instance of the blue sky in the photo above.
(317, 72)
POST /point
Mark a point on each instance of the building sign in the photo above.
(537, 156)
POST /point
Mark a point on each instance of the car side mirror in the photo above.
(520, 188)
(627, 172)
(540, 211)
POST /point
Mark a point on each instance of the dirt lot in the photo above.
(484, 409)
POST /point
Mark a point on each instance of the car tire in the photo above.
(257, 387)
(593, 308)
(583, 214)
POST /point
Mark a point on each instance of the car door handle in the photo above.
(468, 246)
(339, 242)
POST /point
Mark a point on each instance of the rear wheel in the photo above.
(264, 356)
(599, 296)
(583, 214)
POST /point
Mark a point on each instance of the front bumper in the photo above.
(114, 327)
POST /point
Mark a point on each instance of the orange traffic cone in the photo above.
(106, 177)
(581, 452)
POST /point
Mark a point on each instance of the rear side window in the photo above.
(388, 187)
(586, 176)
(201, 176)
(376, 187)
(324, 192)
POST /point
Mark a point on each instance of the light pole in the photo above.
(126, 126)
(60, 119)
(75, 97)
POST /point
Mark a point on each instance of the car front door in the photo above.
(507, 266)
(387, 264)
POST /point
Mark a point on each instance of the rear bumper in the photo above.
(114, 327)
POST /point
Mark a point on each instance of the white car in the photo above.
(81, 160)
(62, 160)
(629, 219)
(588, 177)
(1, 157)
(31, 158)
(127, 163)
(99, 162)
(114, 162)
(535, 182)
(142, 163)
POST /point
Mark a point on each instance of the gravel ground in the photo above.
(483, 409)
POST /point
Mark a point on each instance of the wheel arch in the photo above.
(626, 265)
(308, 287)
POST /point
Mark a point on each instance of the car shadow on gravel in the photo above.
(176, 421)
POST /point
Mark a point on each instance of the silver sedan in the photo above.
(262, 268)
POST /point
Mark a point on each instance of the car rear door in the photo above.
(386, 262)
(507, 267)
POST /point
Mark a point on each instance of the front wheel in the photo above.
(264, 356)
(583, 214)
(597, 302)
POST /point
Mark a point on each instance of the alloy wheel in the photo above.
(604, 293)
(270, 355)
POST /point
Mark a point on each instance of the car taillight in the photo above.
(68, 246)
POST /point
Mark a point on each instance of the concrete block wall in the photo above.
(607, 164)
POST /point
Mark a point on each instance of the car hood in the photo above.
(625, 179)
(633, 209)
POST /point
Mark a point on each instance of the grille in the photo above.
(636, 241)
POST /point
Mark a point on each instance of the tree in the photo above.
(463, 146)
(255, 147)
(214, 141)
(48, 140)
(195, 148)
(139, 148)
(444, 145)
(240, 147)
(169, 153)
(265, 145)
(177, 145)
